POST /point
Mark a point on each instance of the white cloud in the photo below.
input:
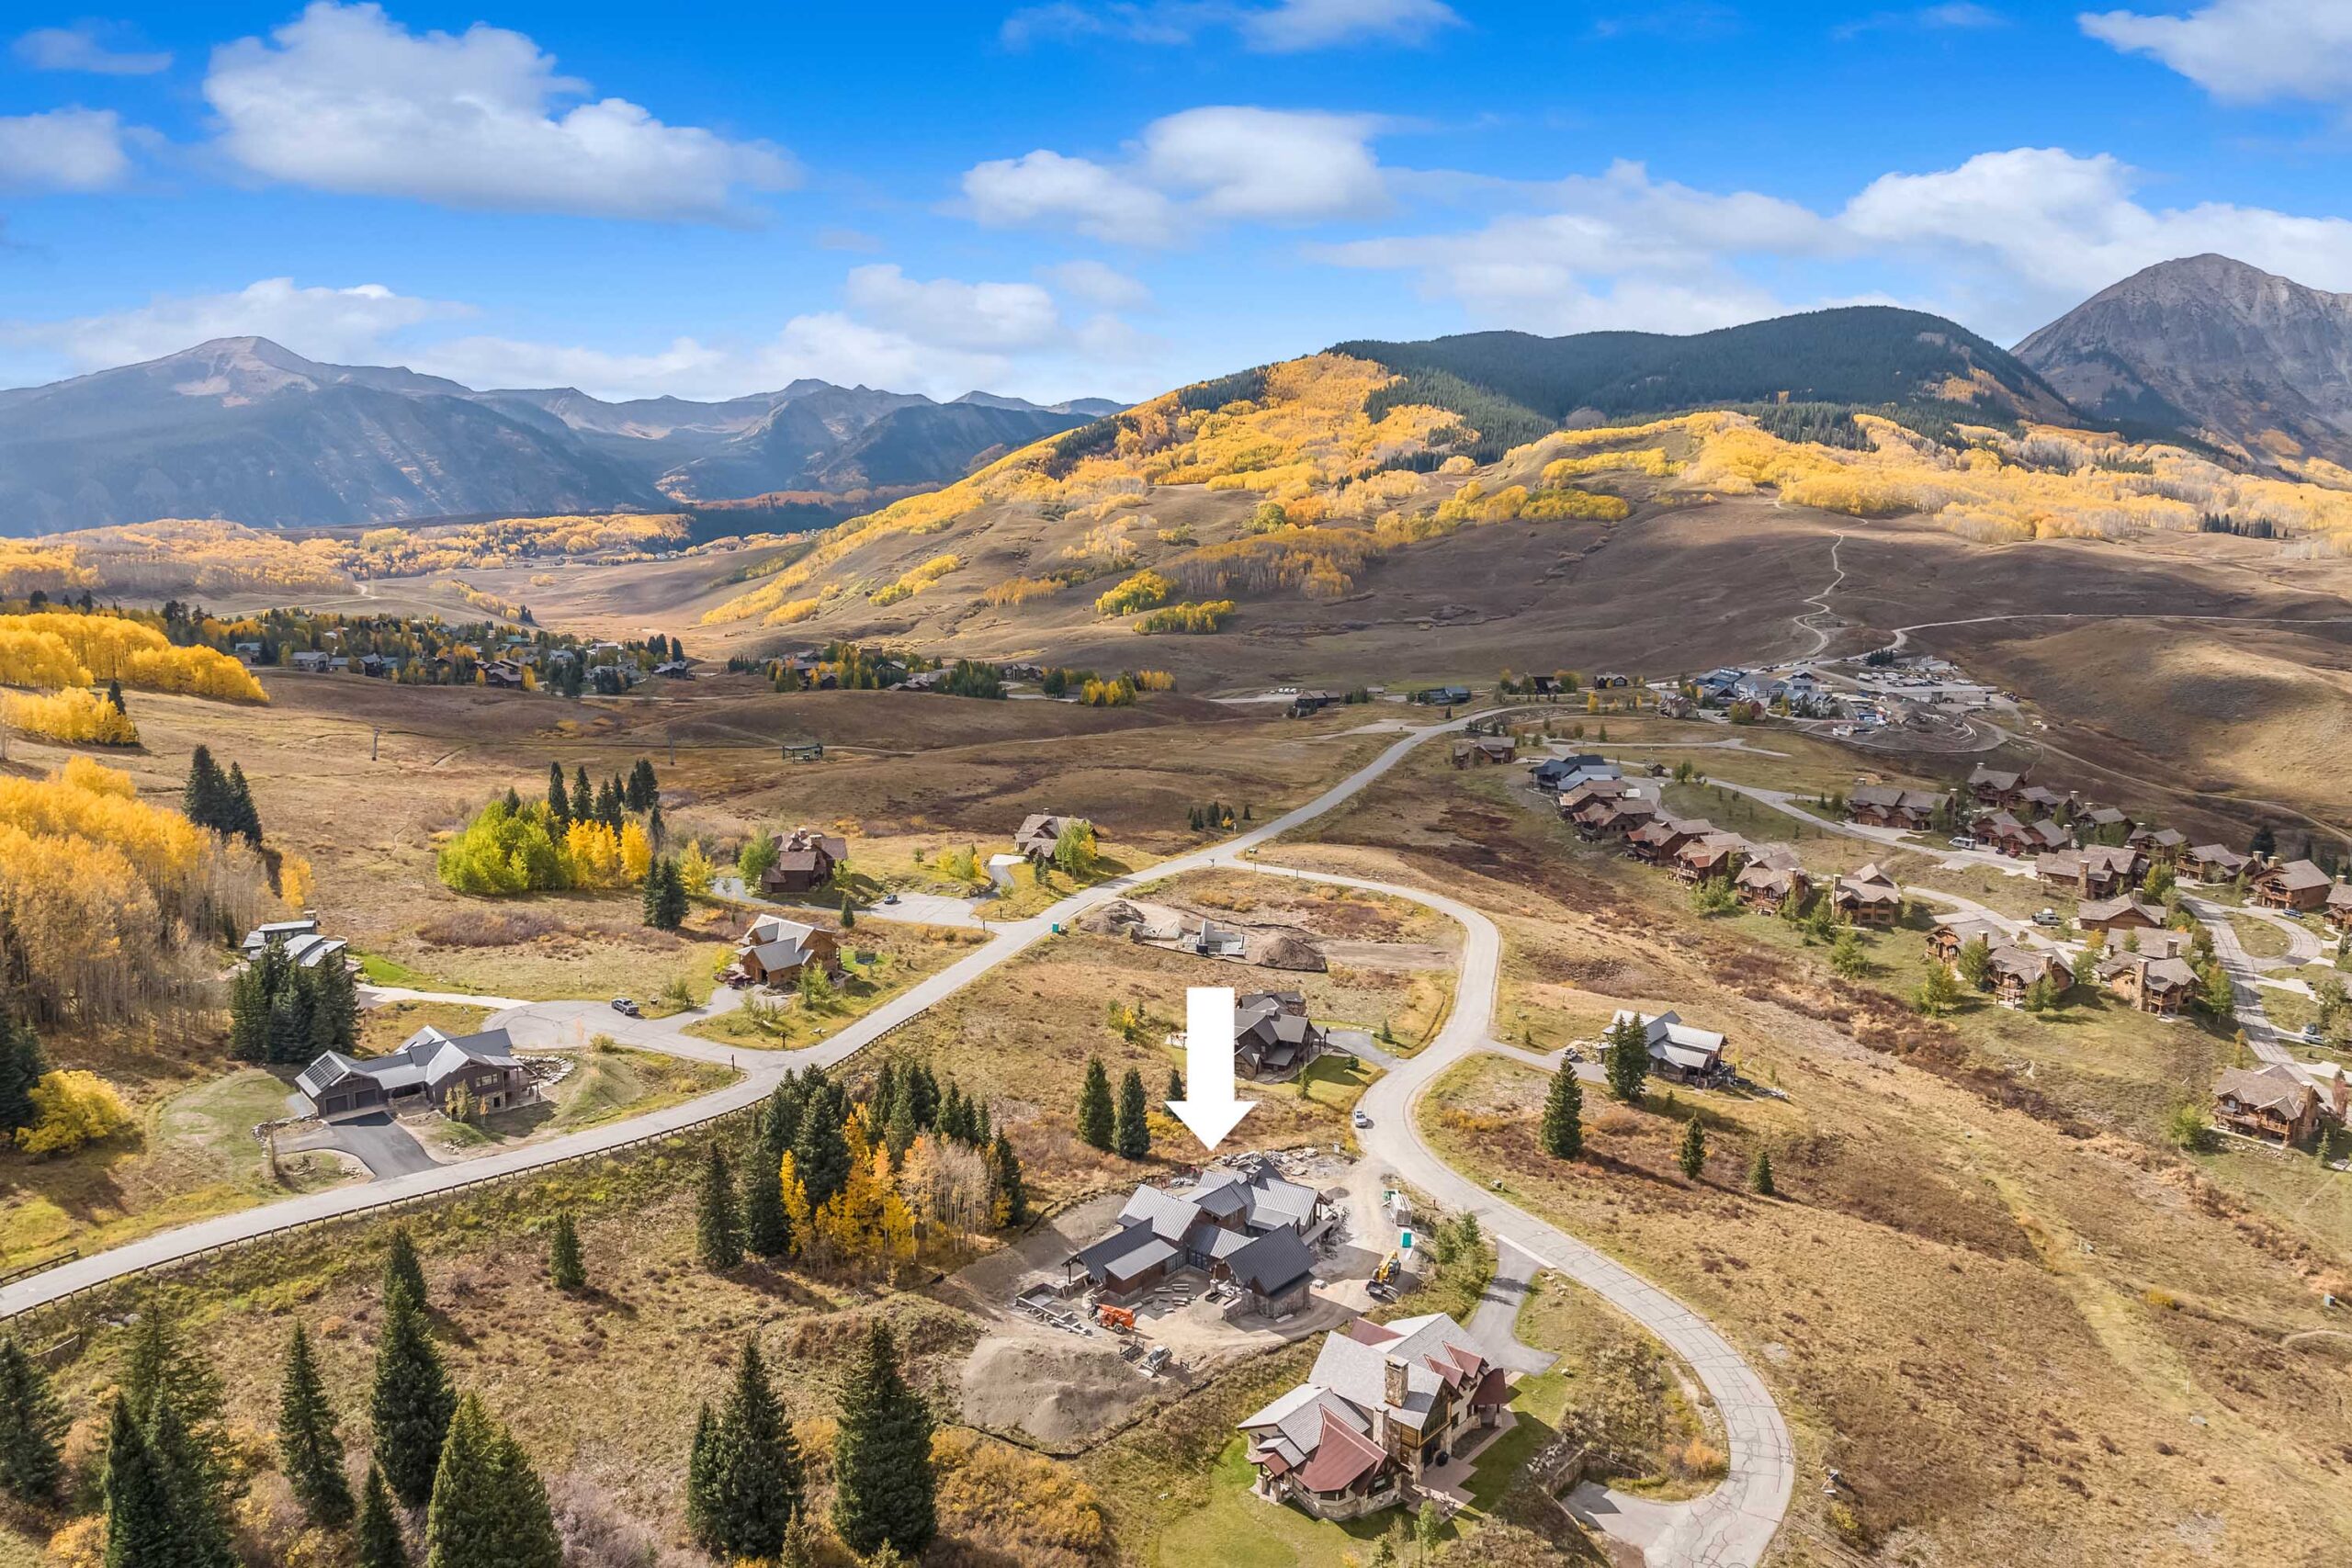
(1955, 17)
(2006, 239)
(73, 148)
(85, 46)
(1192, 170)
(2245, 51)
(1268, 166)
(942, 336)
(336, 325)
(1097, 283)
(1044, 187)
(343, 98)
(980, 316)
(1284, 26)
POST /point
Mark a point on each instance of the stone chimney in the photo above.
(1393, 1387)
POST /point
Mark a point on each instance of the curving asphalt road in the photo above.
(1730, 1527)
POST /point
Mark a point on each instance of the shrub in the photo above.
(1145, 590)
(71, 1108)
(1189, 619)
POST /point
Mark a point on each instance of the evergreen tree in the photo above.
(884, 1493)
(244, 820)
(309, 1452)
(608, 805)
(380, 1543)
(922, 1095)
(22, 1064)
(1132, 1135)
(205, 799)
(1563, 1126)
(1175, 1084)
(142, 1527)
(702, 1465)
(1012, 1191)
(820, 1154)
(566, 1271)
(161, 1370)
(1759, 1172)
(200, 1522)
(1626, 1057)
(899, 1129)
(489, 1509)
(412, 1401)
(559, 798)
(1095, 1118)
(752, 1483)
(29, 1424)
(849, 911)
(114, 696)
(583, 796)
(767, 1227)
(719, 1225)
(1693, 1155)
(780, 1122)
(402, 1266)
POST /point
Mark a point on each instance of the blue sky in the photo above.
(1086, 197)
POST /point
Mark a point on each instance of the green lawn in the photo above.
(192, 1156)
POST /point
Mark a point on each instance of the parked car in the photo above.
(2313, 1036)
(1361, 1119)
(627, 1008)
(2047, 918)
(1963, 842)
(890, 898)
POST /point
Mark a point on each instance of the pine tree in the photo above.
(752, 1482)
(244, 820)
(820, 1154)
(719, 1225)
(1095, 1118)
(142, 1527)
(22, 1064)
(29, 1424)
(309, 1452)
(380, 1543)
(671, 912)
(205, 799)
(1759, 1172)
(899, 1129)
(566, 1272)
(1132, 1133)
(702, 1465)
(412, 1401)
(559, 798)
(403, 1268)
(780, 1120)
(884, 1493)
(1693, 1155)
(199, 1523)
(767, 1227)
(489, 1509)
(114, 696)
(1626, 1057)
(1012, 1191)
(849, 911)
(1562, 1127)
(583, 796)
(160, 1370)
(1175, 1084)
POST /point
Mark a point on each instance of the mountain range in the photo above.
(243, 428)
(2255, 364)
(2205, 350)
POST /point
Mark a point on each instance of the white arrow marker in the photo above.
(1211, 1111)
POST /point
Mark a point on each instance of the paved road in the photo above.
(1732, 1526)
(539, 1025)
(2262, 1036)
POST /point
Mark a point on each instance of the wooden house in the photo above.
(2271, 1102)
(2214, 862)
(2291, 885)
(1868, 897)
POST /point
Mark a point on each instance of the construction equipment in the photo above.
(1121, 1318)
(1390, 1267)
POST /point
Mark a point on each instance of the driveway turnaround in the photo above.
(376, 1141)
(1730, 1528)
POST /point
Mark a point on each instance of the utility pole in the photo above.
(672, 736)
(375, 742)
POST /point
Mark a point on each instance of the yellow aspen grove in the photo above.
(112, 648)
(636, 852)
(76, 716)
